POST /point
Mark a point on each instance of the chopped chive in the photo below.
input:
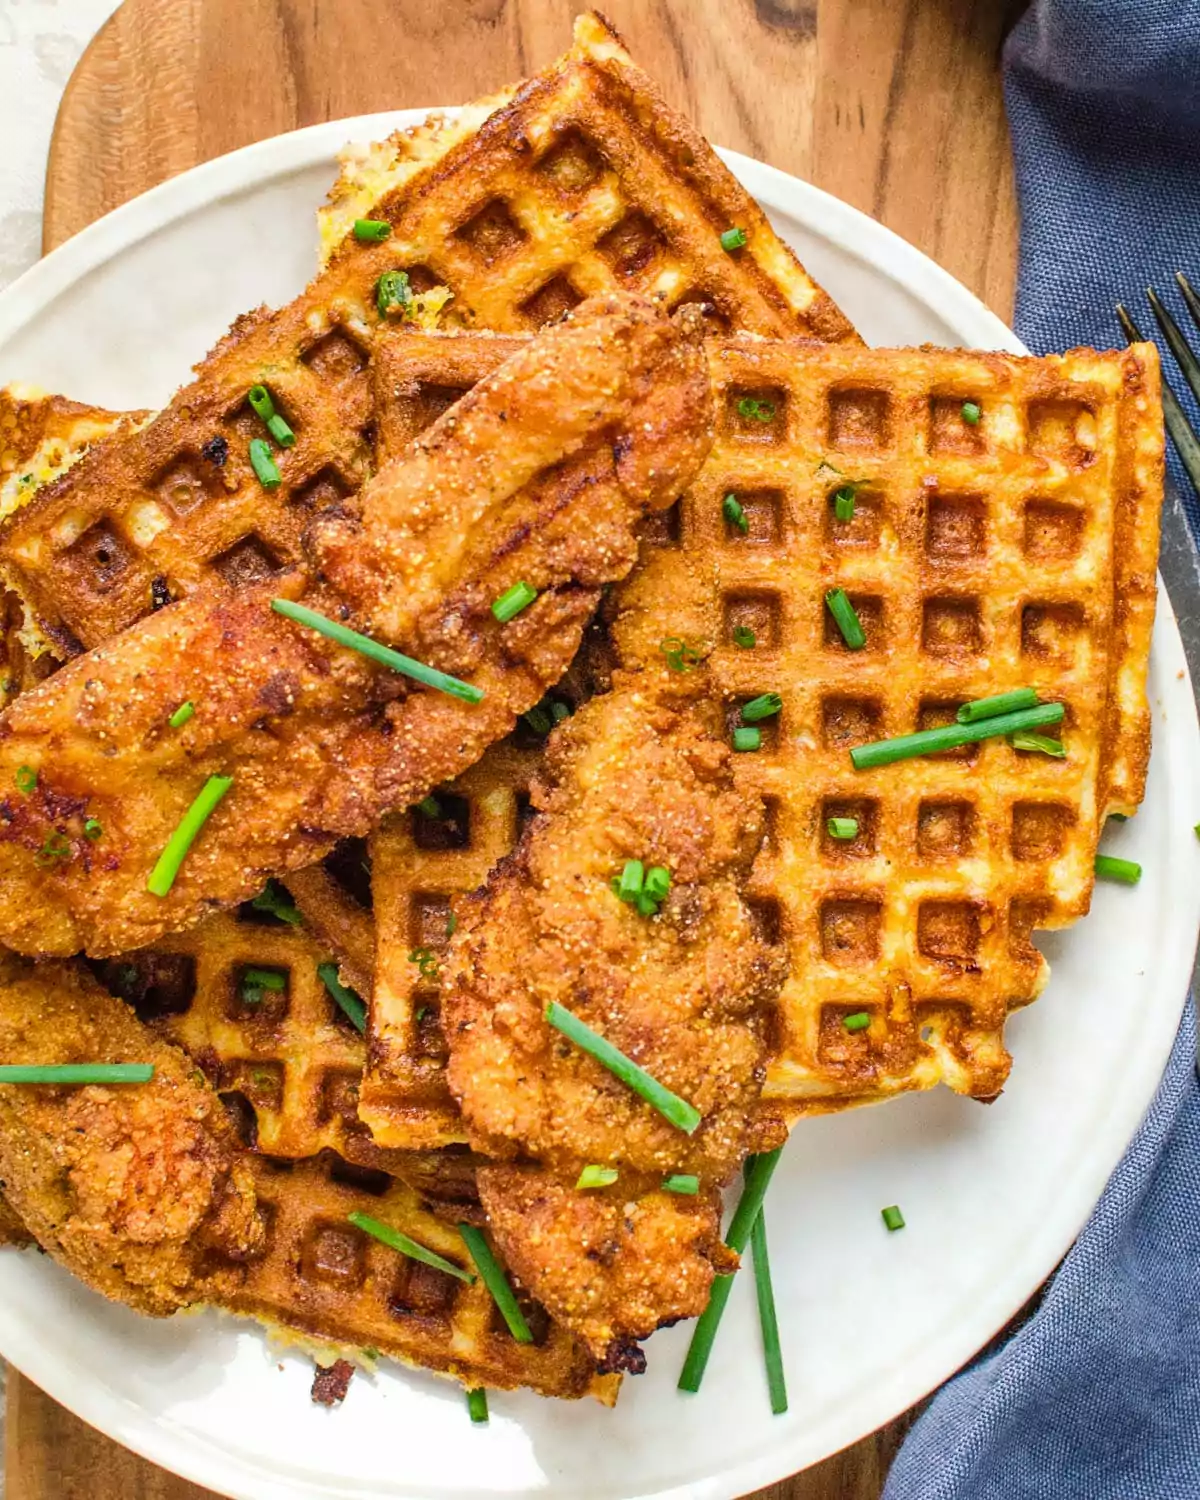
(892, 1217)
(1196, 830)
(93, 829)
(181, 715)
(658, 882)
(676, 1111)
(422, 1012)
(278, 428)
(859, 1021)
(733, 239)
(846, 619)
(251, 994)
(451, 925)
(26, 779)
(344, 636)
(758, 1171)
(1118, 818)
(393, 1238)
(429, 806)
(559, 711)
(731, 509)
(682, 1182)
(1126, 871)
(264, 465)
(512, 601)
(744, 637)
(55, 850)
(427, 964)
(162, 877)
(538, 719)
(595, 1176)
(261, 402)
(1002, 703)
(971, 413)
(765, 706)
(477, 1407)
(77, 1073)
(393, 290)
(496, 1282)
(752, 409)
(681, 655)
(270, 899)
(950, 736)
(632, 879)
(747, 739)
(646, 905)
(843, 502)
(767, 1319)
(371, 231)
(1042, 743)
(842, 828)
(267, 979)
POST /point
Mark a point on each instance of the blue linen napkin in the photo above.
(1097, 1397)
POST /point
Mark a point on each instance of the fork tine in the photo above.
(1189, 297)
(1179, 346)
(1187, 445)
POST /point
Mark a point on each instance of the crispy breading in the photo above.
(140, 1190)
(611, 1264)
(320, 741)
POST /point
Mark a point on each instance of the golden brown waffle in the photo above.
(1021, 551)
(584, 182)
(324, 1279)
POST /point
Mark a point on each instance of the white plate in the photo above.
(871, 1321)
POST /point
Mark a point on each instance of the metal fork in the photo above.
(1182, 434)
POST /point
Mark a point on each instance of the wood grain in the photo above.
(893, 105)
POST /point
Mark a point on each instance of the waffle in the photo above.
(1021, 551)
(325, 1281)
(584, 182)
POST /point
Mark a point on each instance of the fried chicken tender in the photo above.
(636, 774)
(538, 475)
(140, 1190)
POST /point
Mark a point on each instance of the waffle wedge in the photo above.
(1019, 551)
(583, 182)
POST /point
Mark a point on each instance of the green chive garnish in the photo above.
(676, 1111)
(55, 850)
(1196, 830)
(950, 736)
(394, 1240)
(1118, 818)
(496, 1282)
(1002, 703)
(681, 655)
(733, 239)
(512, 601)
(747, 739)
(843, 502)
(971, 413)
(451, 925)
(266, 979)
(731, 509)
(767, 1319)
(758, 1171)
(93, 829)
(682, 1182)
(559, 711)
(539, 719)
(363, 644)
(633, 877)
(477, 1407)
(271, 899)
(594, 1176)
(350, 1003)
(393, 291)
(859, 1021)
(429, 806)
(371, 231)
(264, 465)
(842, 828)
(765, 706)
(1126, 871)
(181, 715)
(892, 1217)
(658, 882)
(744, 637)
(1042, 743)
(26, 779)
(846, 619)
(753, 410)
(261, 402)
(162, 877)
(278, 428)
(77, 1073)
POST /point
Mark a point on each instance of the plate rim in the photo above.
(196, 1456)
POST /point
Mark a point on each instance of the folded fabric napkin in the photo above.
(1097, 1397)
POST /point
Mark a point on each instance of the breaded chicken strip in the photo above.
(638, 774)
(539, 475)
(140, 1190)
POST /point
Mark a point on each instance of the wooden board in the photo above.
(893, 105)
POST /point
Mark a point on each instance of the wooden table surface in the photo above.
(892, 105)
